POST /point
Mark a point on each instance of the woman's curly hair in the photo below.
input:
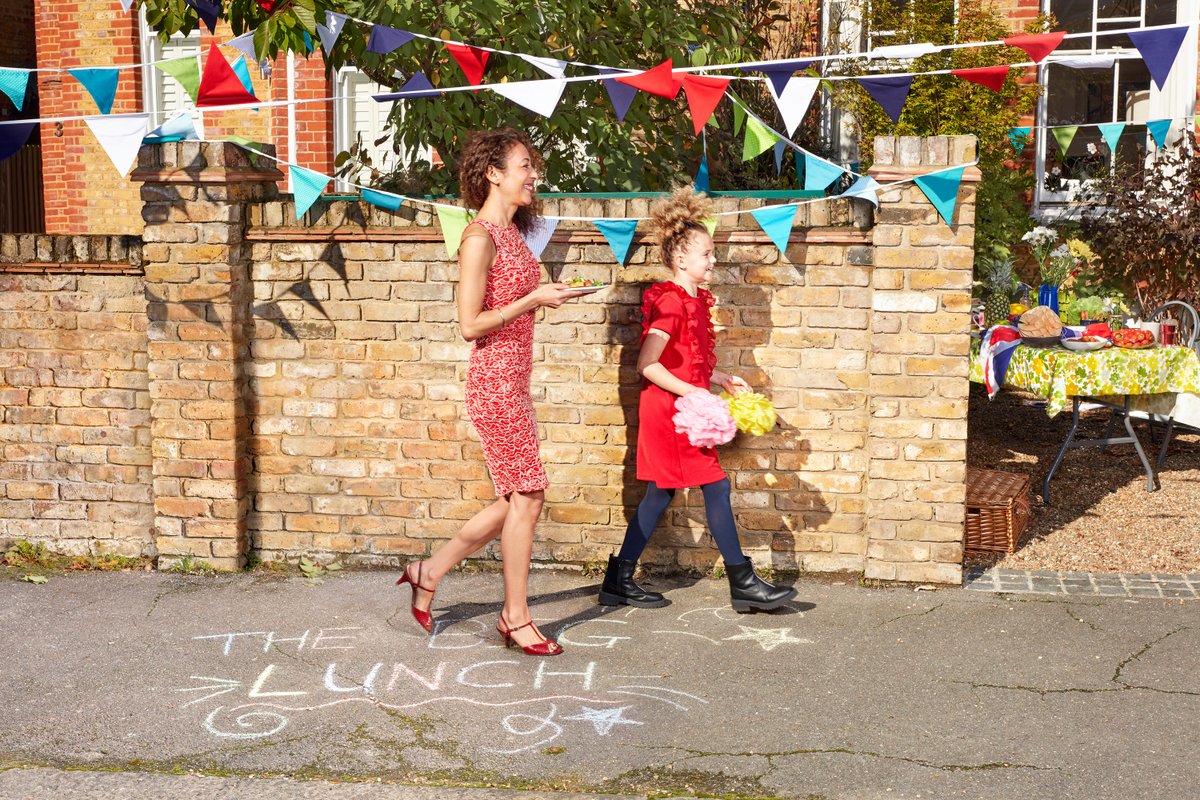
(491, 148)
(674, 219)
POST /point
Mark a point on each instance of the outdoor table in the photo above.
(1162, 381)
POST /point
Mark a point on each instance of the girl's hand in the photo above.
(730, 383)
(553, 294)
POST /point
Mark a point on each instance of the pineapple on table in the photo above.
(998, 284)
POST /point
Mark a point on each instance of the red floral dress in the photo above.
(664, 456)
(497, 395)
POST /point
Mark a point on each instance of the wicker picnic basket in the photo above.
(998, 510)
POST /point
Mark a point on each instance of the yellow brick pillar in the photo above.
(917, 391)
(199, 295)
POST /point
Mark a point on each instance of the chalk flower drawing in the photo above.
(604, 718)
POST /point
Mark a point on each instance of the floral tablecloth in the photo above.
(1057, 374)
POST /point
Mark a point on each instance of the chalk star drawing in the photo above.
(219, 686)
(768, 638)
(604, 718)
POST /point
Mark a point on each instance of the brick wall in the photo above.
(75, 431)
(304, 380)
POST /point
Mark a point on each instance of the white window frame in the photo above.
(1176, 99)
(151, 50)
(344, 134)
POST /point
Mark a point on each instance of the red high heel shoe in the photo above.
(546, 647)
(423, 618)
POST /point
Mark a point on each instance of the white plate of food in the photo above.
(1086, 343)
(584, 286)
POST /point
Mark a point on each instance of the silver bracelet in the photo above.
(503, 321)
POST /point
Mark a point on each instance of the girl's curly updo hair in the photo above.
(676, 218)
(491, 148)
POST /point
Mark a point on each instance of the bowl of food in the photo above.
(1133, 339)
(1084, 344)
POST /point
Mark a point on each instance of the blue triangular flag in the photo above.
(942, 190)
(101, 84)
(1158, 49)
(890, 92)
(384, 39)
(776, 222)
(780, 147)
(382, 199)
(1112, 133)
(1019, 138)
(619, 94)
(207, 11)
(539, 236)
(865, 187)
(178, 128)
(331, 30)
(14, 82)
(243, 74)
(1158, 129)
(819, 173)
(619, 233)
(306, 187)
(308, 45)
(778, 72)
(416, 86)
(702, 182)
(13, 138)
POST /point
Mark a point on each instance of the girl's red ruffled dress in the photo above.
(664, 456)
(498, 374)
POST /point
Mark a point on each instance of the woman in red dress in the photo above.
(498, 296)
(678, 356)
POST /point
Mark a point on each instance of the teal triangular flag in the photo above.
(619, 233)
(1112, 133)
(243, 73)
(306, 187)
(382, 199)
(776, 222)
(702, 182)
(819, 173)
(1158, 129)
(101, 84)
(1019, 138)
(1065, 135)
(942, 190)
(14, 82)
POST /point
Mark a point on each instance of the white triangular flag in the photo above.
(1084, 62)
(332, 29)
(244, 44)
(793, 103)
(904, 50)
(540, 96)
(551, 66)
(539, 236)
(120, 137)
(126, 5)
(865, 187)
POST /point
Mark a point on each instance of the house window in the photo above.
(1111, 85)
(360, 118)
(163, 97)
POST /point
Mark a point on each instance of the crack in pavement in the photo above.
(926, 612)
(1071, 614)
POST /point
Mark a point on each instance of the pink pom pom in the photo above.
(705, 419)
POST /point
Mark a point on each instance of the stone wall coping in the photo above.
(891, 172)
(211, 175)
(428, 234)
(40, 268)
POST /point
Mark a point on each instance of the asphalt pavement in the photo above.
(140, 685)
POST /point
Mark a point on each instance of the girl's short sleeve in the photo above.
(667, 315)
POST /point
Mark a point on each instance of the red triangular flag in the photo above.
(991, 77)
(703, 94)
(658, 81)
(1037, 45)
(219, 85)
(471, 60)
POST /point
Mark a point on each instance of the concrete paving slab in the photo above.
(852, 692)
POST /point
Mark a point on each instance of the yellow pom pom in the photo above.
(752, 412)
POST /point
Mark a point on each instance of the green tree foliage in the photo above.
(947, 105)
(586, 149)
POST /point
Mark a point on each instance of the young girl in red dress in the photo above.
(678, 356)
(498, 296)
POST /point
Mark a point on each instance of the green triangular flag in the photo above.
(710, 223)
(739, 116)
(454, 221)
(1065, 135)
(186, 70)
(759, 139)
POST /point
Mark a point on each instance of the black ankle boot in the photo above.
(748, 592)
(619, 588)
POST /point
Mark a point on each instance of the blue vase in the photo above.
(1048, 296)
